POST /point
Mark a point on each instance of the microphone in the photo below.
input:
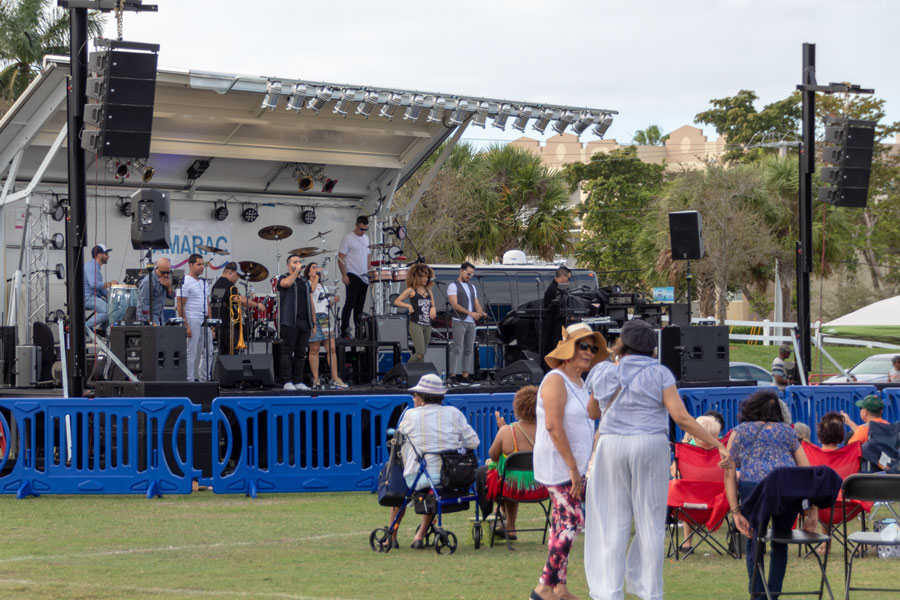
(436, 282)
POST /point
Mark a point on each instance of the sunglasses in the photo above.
(363, 228)
(585, 346)
(164, 272)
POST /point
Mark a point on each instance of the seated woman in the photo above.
(711, 425)
(803, 432)
(516, 437)
(430, 427)
(831, 430)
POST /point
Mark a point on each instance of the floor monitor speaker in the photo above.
(408, 374)
(521, 372)
(245, 370)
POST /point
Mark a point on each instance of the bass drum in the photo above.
(267, 307)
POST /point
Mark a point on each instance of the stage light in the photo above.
(57, 209)
(148, 174)
(124, 206)
(341, 106)
(584, 121)
(459, 114)
(317, 172)
(60, 272)
(220, 210)
(436, 114)
(366, 107)
(305, 183)
(522, 118)
(543, 120)
(415, 107)
(602, 126)
(502, 115)
(390, 108)
(197, 169)
(329, 185)
(298, 97)
(308, 214)
(480, 118)
(323, 95)
(57, 241)
(120, 170)
(564, 120)
(250, 212)
(273, 91)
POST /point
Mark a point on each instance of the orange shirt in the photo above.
(862, 432)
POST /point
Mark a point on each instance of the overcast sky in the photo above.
(654, 61)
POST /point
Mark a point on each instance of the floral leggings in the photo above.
(566, 520)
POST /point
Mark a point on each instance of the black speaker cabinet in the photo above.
(678, 314)
(686, 232)
(151, 353)
(521, 372)
(150, 219)
(8, 342)
(245, 370)
(408, 374)
(696, 353)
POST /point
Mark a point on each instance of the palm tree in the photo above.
(29, 31)
(652, 136)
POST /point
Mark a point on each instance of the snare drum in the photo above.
(399, 273)
(379, 274)
(266, 309)
(120, 298)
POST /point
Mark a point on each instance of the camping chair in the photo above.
(873, 488)
(697, 497)
(517, 464)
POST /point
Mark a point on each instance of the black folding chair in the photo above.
(873, 488)
(521, 462)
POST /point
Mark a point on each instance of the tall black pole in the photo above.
(807, 169)
(75, 227)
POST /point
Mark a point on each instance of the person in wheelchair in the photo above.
(430, 427)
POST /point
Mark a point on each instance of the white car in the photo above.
(742, 371)
(872, 369)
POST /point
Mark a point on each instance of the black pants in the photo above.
(294, 342)
(356, 298)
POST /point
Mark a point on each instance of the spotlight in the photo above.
(250, 212)
(273, 91)
(60, 271)
(393, 103)
(481, 115)
(415, 107)
(459, 115)
(57, 241)
(197, 169)
(366, 107)
(565, 119)
(522, 118)
(317, 172)
(124, 206)
(305, 183)
(298, 97)
(341, 106)
(308, 214)
(584, 121)
(57, 209)
(323, 95)
(502, 115)
(329, 185)
(120, 169)
(148, 174)
(220, 210)
(436, 114)
(602, 125)
(543, 120)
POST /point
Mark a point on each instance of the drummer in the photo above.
(224, 287)
(153, 290)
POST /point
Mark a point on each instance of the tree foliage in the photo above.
(651, 136)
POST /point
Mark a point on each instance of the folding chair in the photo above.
(873, 488)
(516, 467)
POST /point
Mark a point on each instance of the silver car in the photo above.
(742, 371)
(872, 369)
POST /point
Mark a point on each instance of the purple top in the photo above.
(774, 447)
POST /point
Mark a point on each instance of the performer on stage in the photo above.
(95, 294)
(192, 304)
(297, 312)
(553, 325)
(465, 309)
(224, 287)
(324, 328)
(353, 261)
(419, 280)
(153, 290)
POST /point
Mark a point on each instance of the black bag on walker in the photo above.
(458, 468)
(392, 488)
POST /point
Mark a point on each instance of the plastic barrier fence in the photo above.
(726, 400)
(813, 401)
(479, 410)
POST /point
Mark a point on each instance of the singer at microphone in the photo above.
(553, 325)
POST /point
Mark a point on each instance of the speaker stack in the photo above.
(151, 353)
(696, 353)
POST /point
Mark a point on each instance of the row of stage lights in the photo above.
(315, 98)
(250, 212)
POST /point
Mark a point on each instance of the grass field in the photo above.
(312, 546)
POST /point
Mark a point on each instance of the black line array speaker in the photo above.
(521, 372)
(150, 219)
(408, 374)
(245, 370)
(151, 353)
(686, 233)
(696, 353)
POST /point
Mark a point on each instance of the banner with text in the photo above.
(188, 234)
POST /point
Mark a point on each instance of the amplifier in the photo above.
(151, 353)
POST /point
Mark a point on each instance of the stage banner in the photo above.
(187, 234)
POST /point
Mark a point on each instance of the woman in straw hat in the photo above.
(562, 448)
(630, 473)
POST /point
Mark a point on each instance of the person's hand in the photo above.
(432, 314)
(742, 524)
(500, 420)
(187, 330)
(725, 460)
(294, 268)
(336, 299)
(576, 482)
(410, 308)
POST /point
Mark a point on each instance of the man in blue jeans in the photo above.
(95, 291)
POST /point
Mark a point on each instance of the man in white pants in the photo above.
(192, 304)
(465, 309)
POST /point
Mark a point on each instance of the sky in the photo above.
(654, 61)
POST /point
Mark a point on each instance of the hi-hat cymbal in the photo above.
(212, 249)
(275, 232)
(320, 234)
(255, 271)
(307, 251)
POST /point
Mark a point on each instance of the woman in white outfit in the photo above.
(562, 449)
(630, 474)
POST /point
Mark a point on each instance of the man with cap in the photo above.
(870, 409)
(224, 287)
(95, 294)
(779, 372)
(153, 290)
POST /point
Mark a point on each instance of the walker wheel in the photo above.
(380, 540)
(445, 539)
(477, 534)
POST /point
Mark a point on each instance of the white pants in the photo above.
(629, 480)
(197, 349)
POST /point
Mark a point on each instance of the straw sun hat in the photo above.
(565, 349)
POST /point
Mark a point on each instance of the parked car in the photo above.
(741, 371)
(872, 369)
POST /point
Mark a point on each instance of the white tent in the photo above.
(879, 321)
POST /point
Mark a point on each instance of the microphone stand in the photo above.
(540, 284)
(446, 330)
(490, 317)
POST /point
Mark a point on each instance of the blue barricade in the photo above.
(813, 401)
(726, 400)
(100, 446)
(479, 410)
(300, 443)
(891, 397)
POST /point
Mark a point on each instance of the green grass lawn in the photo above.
(760, 355)
(312, 546)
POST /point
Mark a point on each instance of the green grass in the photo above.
(303, 546)
(760, 355)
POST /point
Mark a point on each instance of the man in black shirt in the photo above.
(221, 290)
(297, 312)
(553, 322)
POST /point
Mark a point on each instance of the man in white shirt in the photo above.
(465, 309)
(353, 261)
(192, 304)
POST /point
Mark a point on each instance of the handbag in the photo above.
(392, 488)
(458, 468)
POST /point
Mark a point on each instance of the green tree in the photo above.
(652, 136)
(29, 31)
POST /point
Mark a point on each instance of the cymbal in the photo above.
(307, 251)
(320, 234)
(255, 271)
(213, 249)
(275, 232)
